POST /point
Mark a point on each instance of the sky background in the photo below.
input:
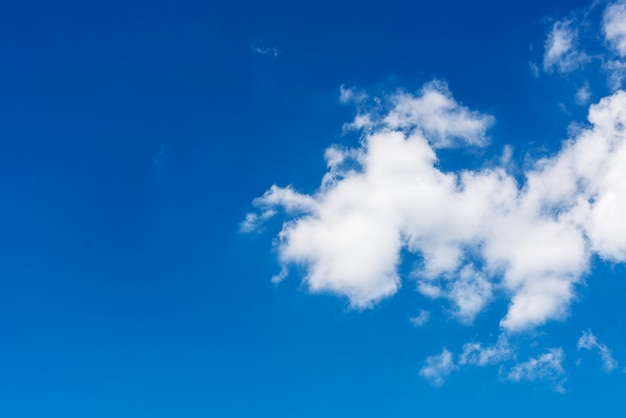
(134, 137)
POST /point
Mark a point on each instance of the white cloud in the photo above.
(569, 39)
(614, 30)
(474, 353)
(282, 275)
(351, 95)
(588, 341)
(561, 48)
(616, 70)
(547, 366)
(614, 27)
(420, 319)
(286, 198)
(470, 293)
(583, 94)
(438, 116)
(468, 290)
(262, 49)
(437, 368)
(252, 220)
(565, 53)
(534, 69)
(533, 243)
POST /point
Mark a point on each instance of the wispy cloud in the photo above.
(547, 366)
(351, 95)
(437, 368)
(562, 53)
(420, 319)
(565, 52)
(583, 95)
(614, 27)
(476, 354)
(265, 50)
(588, 341)
(254, 220)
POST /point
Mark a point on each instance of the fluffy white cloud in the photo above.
(561, 49)
(533, 242)
(547, 366)
(437, 368)
(588, 341)
(438, 116)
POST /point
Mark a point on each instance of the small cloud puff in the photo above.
(437, 368)
(420, 319)
(583, 95)
(351, 95)
(264, 50)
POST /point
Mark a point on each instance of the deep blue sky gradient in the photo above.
(133, 137)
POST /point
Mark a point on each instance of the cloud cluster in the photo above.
(472, 232)
(548, 366)
(564, 52)
(470, 235)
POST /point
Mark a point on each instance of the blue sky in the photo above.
(445, 233)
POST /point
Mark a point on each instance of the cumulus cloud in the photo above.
(437, 368)
(547, 366)
(472, 231)
(588, 341)
(561, 48)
